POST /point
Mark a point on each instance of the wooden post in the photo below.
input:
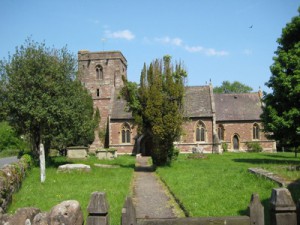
(98, 209)
(283, 208)
(256, 211)
(128, 213)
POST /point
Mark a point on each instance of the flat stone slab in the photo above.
(106, 166)
(69, 167)
(271, 176)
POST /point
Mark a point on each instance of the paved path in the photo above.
(8, 160)
(149, 194)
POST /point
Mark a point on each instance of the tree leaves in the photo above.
(43, 99)
(157, 105)
(281, 114)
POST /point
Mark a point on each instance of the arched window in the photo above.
(200, 131)
(99, 72)
(256, 131)
(125, 133)
(221, 132)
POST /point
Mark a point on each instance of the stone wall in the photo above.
(11, 177)
(188, 139)
(244, 130)
(115, 139)
(67, 213)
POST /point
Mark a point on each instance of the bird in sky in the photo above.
(251, 26)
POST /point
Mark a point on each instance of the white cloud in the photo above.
(213, 52)
(168, 40)
(123, 34)
(193, 48)
(206, 51)
(178, 42)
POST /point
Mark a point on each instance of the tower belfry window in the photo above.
(99, 72)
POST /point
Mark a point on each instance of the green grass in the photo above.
(78, 186)
(220, 185)
(8, 153)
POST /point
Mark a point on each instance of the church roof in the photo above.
(197, 101)
(119, 108)
(233, 107)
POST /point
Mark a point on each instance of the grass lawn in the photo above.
(78, 186)
(220, 185)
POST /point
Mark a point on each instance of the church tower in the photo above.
(101, 73)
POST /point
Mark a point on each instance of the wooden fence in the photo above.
(283, 211)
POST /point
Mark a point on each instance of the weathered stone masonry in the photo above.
(207, 113)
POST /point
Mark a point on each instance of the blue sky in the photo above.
(217, 40)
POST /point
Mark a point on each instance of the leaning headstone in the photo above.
(283, 208)
(67, 213)
(98, 209)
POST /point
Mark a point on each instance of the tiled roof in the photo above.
(118, 108)
(197, 101)
(229, 107)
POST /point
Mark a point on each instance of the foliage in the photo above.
(254, 147)
(225, 146)
(9, 140)
(77, 185)
(44, 101)
(157, 106)
(235, 87)
(281, 111)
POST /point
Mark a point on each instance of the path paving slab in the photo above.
(149, 194)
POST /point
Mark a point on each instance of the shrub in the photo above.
(224, 146)
(254, 147)
(175, 153)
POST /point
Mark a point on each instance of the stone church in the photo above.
(213, 120)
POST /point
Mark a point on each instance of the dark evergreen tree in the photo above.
(281, 112)
(157, 106)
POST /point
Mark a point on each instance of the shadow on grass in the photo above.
(267, 161)
(294, 188)
(274, 155)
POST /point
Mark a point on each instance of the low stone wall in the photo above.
(11, 177)
(67, 213)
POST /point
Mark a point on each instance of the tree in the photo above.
(235, 87)
(281, 111)
(44, 101)
(157, 105)
(8, 138)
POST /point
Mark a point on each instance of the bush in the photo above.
(175, 153)
(254, 147)
(225, 146)
(9, 141)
